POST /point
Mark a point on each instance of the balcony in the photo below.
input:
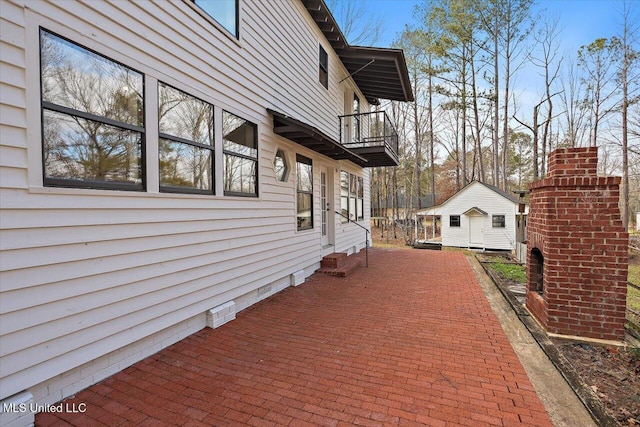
(371, 136)
(367, 139)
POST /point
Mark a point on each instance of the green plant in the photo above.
(513, 272)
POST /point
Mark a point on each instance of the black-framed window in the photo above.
(304, 192)
(186, 142)
(323, 67)
(360, 204)
(240, 142)
(344, 196)
(225, 13)
(454, 221)
(351, 197)
(93, 130)
(356, 118)
(498, 221)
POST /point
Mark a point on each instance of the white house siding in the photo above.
(85, 273)
(479, 196)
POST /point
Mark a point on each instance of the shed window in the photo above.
(454, 221)
(323, 67)
(225, 13)
(304, 196)
(498, 221)
(186, 142)
(240, 156)
(92, 118)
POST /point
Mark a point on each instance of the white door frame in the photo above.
(476, 230)
(327, 206)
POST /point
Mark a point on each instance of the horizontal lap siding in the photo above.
(87, 272)
(13, 123)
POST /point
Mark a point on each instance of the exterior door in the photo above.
(476, 231)
(326, 206)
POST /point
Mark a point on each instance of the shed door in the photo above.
(476, 230)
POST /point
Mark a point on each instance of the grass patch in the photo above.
(513, 272)
(633, 299)
(634, 274)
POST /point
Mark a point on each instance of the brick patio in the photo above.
(411, 340)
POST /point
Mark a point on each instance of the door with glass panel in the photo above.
(326, 206)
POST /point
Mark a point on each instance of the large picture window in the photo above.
(304, 192)
(92, 118)
(186, 142)
(225, 12)
(240, 156)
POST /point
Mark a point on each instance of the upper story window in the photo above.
(323, 67)
(225, 12)
(186, 142)
(92, 118)
(356, 118)
(304, 192)
(240, 156)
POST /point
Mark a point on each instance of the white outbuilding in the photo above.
(479, 216)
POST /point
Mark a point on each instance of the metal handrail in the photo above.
(366, 242)
(371, 129)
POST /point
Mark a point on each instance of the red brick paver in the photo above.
(411, 340)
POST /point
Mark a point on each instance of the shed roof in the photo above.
(435, 210)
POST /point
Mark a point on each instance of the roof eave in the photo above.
(396, 86)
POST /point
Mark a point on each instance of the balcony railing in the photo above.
(372, 136)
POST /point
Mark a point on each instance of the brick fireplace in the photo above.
(577, 255)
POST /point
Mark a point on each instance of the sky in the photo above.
(581, 21)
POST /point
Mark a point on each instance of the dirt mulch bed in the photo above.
(612, 374)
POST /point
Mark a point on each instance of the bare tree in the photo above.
(547, 42)
(358, 23)
(626, 74)
(507, 22)
(572, 99)
(598, 59)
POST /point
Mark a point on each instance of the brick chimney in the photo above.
(577, 249)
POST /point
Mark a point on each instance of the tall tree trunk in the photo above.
(431, 143)
(496, 114)
(464, 116)
(476, 119)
